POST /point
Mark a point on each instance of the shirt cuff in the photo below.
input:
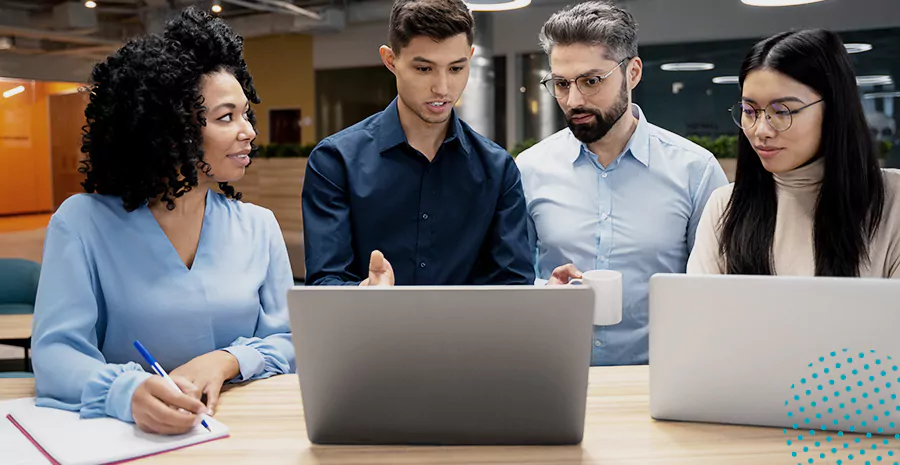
(118, 404)
(250, 361)
(109, 392)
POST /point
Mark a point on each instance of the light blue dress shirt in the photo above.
(638, 216)
(110, 277)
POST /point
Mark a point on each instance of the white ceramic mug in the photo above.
(607, 286)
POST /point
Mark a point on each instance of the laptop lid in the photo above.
(791, 352)
(443, 365)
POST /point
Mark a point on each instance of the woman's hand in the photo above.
(157, 408)
(208, 373)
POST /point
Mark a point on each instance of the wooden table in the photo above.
(16, 326)
(267, 426)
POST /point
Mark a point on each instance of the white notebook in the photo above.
(15, 448)
(66, 439)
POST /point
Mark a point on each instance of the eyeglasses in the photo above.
(587, 85)
(779, 115)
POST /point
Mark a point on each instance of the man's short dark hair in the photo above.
(436, 19)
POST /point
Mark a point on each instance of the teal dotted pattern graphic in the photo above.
(847, 393)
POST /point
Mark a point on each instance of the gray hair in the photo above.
(592, 23)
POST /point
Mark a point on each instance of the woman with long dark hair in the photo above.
(809, 196)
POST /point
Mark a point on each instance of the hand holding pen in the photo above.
(164, 405)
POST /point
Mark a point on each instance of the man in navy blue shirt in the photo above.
(414, 183)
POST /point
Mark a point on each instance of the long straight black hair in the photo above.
(851, 196)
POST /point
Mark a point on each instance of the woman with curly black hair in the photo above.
(152, 252)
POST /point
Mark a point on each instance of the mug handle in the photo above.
(576, 281)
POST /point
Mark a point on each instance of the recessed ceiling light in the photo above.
(874, 95)
(216, 8)
(90, 4)
(14, 91)
(726, 80)
(874, 80)
(858, 48)
(779, 2)
(687, 66)
(492, 5)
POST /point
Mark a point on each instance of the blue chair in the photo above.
(18, 285)
(18, 289)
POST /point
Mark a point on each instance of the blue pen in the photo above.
(159, 370)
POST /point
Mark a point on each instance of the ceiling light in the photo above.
(216, 8)
(726, 80)
(688, 66)
(14, 91)
(90, 4)
(493, 5)
(874, 81)
(874, 95)
(779, 2)
(6, 43)
(858, 48)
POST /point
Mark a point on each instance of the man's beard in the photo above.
(603, 122)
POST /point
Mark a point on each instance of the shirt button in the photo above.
(597, 343)
(604, 216)
(604, 175)
(424, 216)
(422, 265)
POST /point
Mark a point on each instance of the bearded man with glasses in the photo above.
(611, 191)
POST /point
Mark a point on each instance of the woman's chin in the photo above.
(230, 177)
(774, 165)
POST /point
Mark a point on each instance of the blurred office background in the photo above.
(317, 69)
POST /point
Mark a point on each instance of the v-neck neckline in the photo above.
(164, 244)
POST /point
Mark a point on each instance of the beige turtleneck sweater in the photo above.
(792, 248)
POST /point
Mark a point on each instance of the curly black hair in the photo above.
(143, 135)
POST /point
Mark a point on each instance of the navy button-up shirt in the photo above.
(460, 219)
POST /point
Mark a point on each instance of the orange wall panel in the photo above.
(25, 182)
(282, 70)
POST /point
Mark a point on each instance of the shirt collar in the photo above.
(390, 133)
(456, 131)
(638, 145)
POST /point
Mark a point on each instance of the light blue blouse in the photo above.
(110, 277)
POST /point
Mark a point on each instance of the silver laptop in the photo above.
(443, 365)
(790, 352)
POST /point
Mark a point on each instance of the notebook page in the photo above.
(17, 449)
(71, 440)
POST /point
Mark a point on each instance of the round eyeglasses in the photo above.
(587, 85)
(779, 115)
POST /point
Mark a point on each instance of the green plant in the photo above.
(727, 146)
(721, 147)
(884, 148)
(522, 146)
(284, 150)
